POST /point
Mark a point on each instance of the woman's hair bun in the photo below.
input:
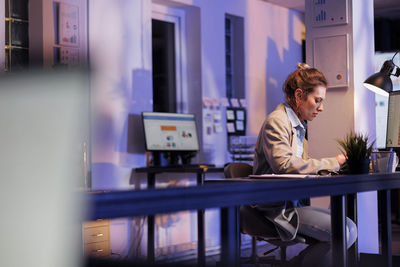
(302, 66)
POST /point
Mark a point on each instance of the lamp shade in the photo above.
(380, 82)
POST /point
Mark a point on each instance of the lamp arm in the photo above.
(394, 55)
(397, 73)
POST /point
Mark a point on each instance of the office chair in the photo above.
(253, 223)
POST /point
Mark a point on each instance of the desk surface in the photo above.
(296, 177)
(183, 168)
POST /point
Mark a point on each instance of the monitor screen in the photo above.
(393, 121)
(170, 131)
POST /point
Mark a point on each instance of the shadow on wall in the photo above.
(117, 136)
(108, 176)
(103, 130)
(277, 69)
(131, 146)
(135, 134)
(132, 140)
(142, 90)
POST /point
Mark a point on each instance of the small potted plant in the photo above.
(355, 147)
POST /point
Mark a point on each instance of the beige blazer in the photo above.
(275, 152)
(276, 148)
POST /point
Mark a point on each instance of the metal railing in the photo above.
(229, 195)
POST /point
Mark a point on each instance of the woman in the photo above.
(282, 148)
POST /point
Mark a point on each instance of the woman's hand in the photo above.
(341, 158)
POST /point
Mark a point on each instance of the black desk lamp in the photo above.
(380, 82)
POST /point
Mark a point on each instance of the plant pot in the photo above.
(358, 166)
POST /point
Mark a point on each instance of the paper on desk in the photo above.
(284, 176)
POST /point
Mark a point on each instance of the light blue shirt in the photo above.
(300, 129)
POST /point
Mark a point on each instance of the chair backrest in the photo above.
(251, 221)
(238, 170)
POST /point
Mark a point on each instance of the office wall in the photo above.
(364, 110)
(44, 115)
(120, 56)
(347, 108)
(119, 39)
(273, 48)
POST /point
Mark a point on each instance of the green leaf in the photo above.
(355, 146)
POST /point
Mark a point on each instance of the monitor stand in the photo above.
(172, 158)
(186, 157)
(165, 158)
(156, 158)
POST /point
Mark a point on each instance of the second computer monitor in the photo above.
(393, 121)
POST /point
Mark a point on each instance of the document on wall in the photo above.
(243, 102)
(69, 56)
(230, 127)
(239, 126)
(230, 114)
(240, 115)
(218, 128)
(235, 103)
(224, 102)
(69, 25)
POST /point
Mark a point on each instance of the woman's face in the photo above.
(308, 107)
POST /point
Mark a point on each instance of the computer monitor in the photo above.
(393, 121)
(170, 132)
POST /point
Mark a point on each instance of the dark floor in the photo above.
(396, 239)
(292, 251)
(273, 258)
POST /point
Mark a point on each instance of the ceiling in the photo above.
(383, 8)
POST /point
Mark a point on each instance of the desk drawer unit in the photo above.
(98, 249)
(96, 238)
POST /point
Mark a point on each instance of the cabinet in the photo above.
(96, 238)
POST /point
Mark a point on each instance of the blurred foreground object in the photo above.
(44, 125)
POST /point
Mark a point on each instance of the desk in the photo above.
(233, 194)
(151, 180)
(339, 205)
